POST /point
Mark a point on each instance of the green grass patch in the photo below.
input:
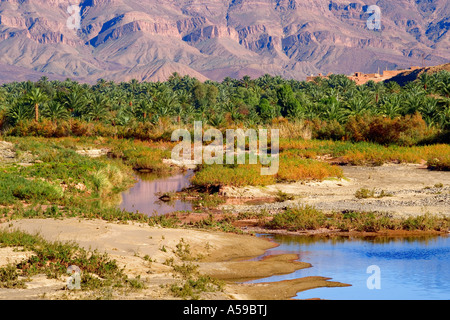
(192, 283)
(302, 218)
(53, 259)
(9, 278)
(308, 218)
(14, 188)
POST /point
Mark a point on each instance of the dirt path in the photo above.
(408, 190)
(225, 256)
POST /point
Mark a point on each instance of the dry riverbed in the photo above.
(400, 190)
(223, 256)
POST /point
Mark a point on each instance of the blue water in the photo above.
(409, 268)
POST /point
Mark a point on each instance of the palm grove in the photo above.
(334, 108)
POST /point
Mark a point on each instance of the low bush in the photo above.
(424, 222)
(364, 193)
(309, 218)
(439, 162)
(229, 175)
(9, 278)
(301, 218)
(53, 259)
(405, 130)
(3, 118)
(327, 130)
(294, 168)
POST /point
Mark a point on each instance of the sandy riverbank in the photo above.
(408, 190)
(224, 256)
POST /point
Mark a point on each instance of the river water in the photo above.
(143, 197)
(414, 268)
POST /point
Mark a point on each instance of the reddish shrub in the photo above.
(2, 118)
(384, 130)
(81, 129)
(357, 129)
(102, 130)
(408, 130)
(62, 129)
(327, 130)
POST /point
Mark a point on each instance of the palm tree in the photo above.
(391, 105)
(265, 81)
(332, 109)
(310, 111)
(36, 97)
(123, 117)
(18, 112)
(232, 109)
(341, 82)
(133, 85)
(443, 117)
(26, 87)
(166, 101)
(413, 87)
(144, 108)
(54, 110)
(188, 113)
(378, 90)
(429, 110)
(97, 107)
(316, 93)
(75, 102)
(444, 88)
(246, 81)
(393, 87)
(358, 105)
(174, 81)
(2, 97)
(119, 98)
(412, 104)
(216, 120)
(426, 80)
(229, 82)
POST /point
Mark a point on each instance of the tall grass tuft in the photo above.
(238, 176)
(301, 218)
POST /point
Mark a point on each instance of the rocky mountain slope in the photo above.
(212, 39)
(411, 75)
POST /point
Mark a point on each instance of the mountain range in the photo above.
(148, 40)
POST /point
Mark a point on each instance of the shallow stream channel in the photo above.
(377, 267)
(144, 196)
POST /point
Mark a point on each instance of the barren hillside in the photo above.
(212, 39)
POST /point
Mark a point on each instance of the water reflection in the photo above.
(143, 197)
(411, 268)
